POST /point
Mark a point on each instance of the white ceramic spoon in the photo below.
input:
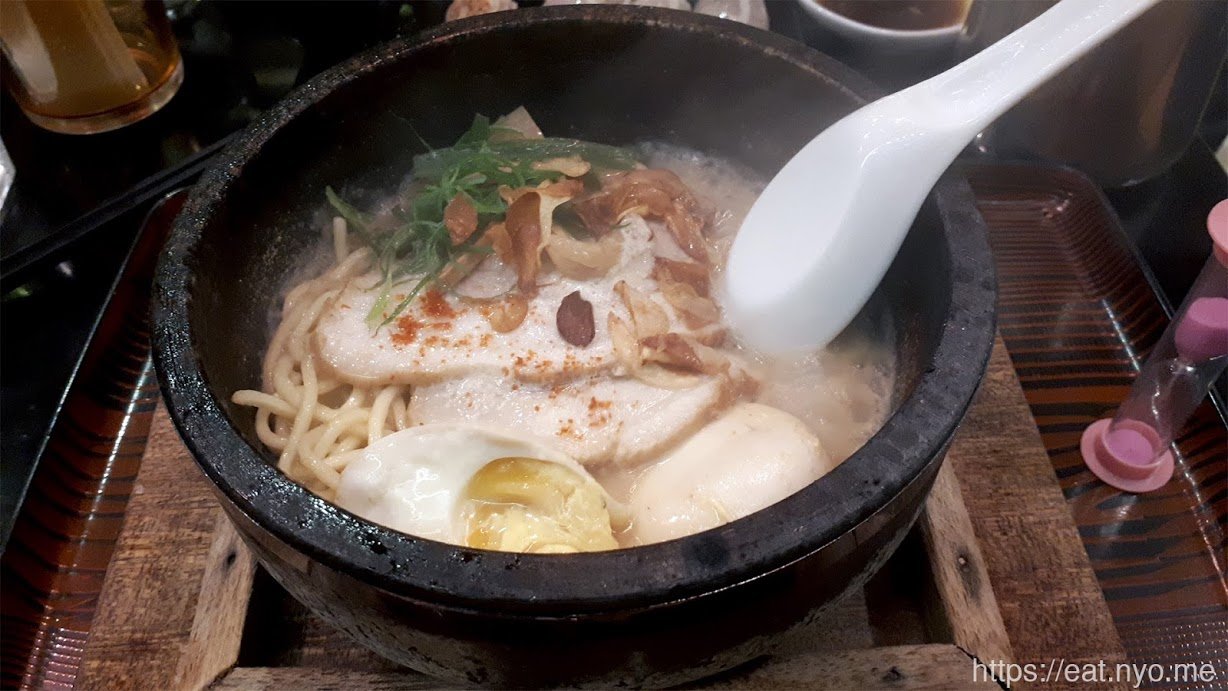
(820, 237)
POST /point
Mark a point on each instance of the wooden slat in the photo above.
(966, 596)
(931, 666)
(1050, 601)
(217, 628)
(323, 679)
(155, 609)
(1079, 318)
(1011, 575)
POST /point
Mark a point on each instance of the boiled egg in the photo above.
(479, 487)
(750, 458)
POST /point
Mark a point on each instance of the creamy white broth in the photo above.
(783, 421)
(842, 393)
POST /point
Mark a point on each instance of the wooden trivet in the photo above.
(1006, 578)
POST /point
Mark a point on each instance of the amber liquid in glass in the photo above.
(904, 15)
(88, 65)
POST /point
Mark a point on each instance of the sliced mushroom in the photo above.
(523, 224)
(520, 122)
(566, 189)
(659, 178)
(653, 194)
(504, 313)
(509, 195)
(598, 212)
(690, 273)
(571, 166)
(713, 335)
(626, 347)
(661, 377)
(695, 310)
(688, 232)
(583, 260)
(647, 317)
(687, 354)
(629, 353)
(529, 221)
(460, 218)
(501, 243)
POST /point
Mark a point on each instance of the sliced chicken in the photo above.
(594, 419)
(443, 336)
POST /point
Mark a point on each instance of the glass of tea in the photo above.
(897, 43)
(902, 15)
(84, 66)
(891, 24)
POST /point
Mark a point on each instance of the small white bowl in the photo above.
(878, 37)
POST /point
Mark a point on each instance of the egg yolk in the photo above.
(530, 505)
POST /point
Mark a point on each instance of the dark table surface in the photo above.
(77, 202)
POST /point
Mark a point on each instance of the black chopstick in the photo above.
(18, 266)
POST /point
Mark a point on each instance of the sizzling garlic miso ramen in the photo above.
(523, 350)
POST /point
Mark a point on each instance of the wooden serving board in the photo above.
(1003, 577)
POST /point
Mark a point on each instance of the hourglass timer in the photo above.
(1132, 450)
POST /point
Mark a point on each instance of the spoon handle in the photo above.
(827, 227)
(975, 92)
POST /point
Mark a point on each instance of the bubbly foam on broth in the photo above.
(842, 393)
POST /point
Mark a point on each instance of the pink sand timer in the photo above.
(1132, 450)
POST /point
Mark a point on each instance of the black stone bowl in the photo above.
(652, 615)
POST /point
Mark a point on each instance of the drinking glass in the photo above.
(83, 66)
